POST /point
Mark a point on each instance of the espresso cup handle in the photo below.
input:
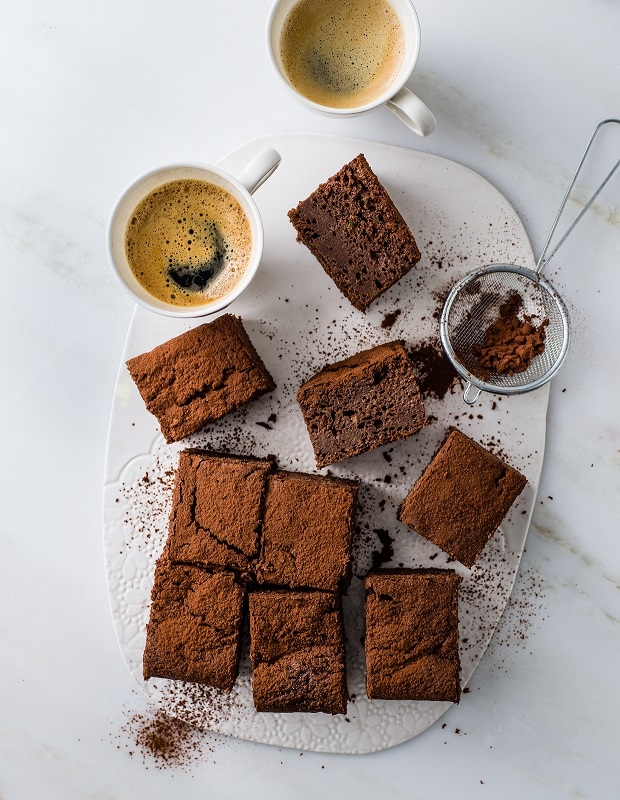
(261, 167)
(413, 112)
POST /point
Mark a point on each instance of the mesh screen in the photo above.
(477, 306)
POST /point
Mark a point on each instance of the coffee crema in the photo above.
(342, 53)
(188, 242)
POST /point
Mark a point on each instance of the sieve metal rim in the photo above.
(449, 350)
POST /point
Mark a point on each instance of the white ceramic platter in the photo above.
(299, 321)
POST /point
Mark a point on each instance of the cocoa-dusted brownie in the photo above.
(361, 403)
(217, 509)
(194, 630)
(357, 234)
(461, 497)
(412, 635)
(199, 376)
(307, 531)
(297, 652)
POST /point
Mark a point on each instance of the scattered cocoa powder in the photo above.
(435, 374)
(162, 741)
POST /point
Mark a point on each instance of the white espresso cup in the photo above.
(240, 188)
(406, 105)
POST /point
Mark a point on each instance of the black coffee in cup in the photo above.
(342, 53)
(188, 242)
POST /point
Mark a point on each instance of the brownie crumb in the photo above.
(382, 556)
(390, 318)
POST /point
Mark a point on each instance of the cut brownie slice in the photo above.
(412, 635)
(461, 497)
(217, 509)
(353, 228)
(194, 630)
(199, 376)
(307, 532)
(297, 652)
(361, 403)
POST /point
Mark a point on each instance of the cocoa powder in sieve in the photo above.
(510, 343)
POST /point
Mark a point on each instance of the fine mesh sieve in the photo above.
(474, 305)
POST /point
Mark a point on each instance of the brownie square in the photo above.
(199, 376)
(307, 532)
(412, 635)
(194, 629)
(217, 509)
(297, 652)
(357, 234)
(361, 403)
(461, 498)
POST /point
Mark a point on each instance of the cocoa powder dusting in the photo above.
(510, 344)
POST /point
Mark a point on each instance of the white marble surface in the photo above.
(93, 94)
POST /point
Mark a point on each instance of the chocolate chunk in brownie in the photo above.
(217, 509)
(357, 234)
(194, 630)
(412, 635)
(199, 376)
(297, 652)
(361, 403)
(461, 497)
(307, 531)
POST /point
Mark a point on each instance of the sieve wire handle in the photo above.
(471, 399)
(542, 261)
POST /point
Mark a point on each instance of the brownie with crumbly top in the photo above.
(194, 629)
(461, 497)
(412, 635)
(200, 376)
(352, 227)
(363, 402)
(217, 509)
(297, 652)
(307, 531)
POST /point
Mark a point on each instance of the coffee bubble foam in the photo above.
(188, 242)
(342, 53)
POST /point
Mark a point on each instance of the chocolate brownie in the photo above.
(307, 531)
(361, 403)
(412, 635)
(461, 498)
(357, 234)
(217, 509)
(297, 652)
(199, 376)
(194, 630)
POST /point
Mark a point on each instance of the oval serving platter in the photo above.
(299, 322)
